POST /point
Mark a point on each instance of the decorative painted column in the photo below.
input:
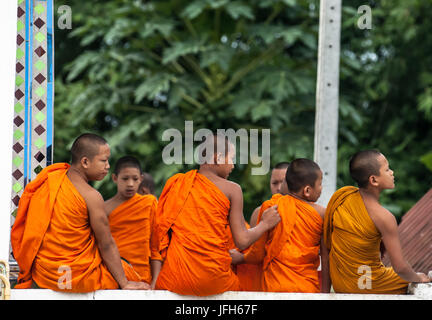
(32, 146)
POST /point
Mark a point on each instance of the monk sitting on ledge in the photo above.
(354, 226)
(131, 215)
(290, 253)
(192, 219)
(61, 237)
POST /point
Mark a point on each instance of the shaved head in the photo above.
(364, 164)
(212, 145)
(86, 145)
(301, 173)
(281, 165)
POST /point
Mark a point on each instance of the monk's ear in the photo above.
(373, 180)
(114, 177)
(307, 191)
(85, 162)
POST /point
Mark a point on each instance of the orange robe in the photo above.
(191, 226)
(290, 251)
(354, 248)
(52, 240)
(131, 225)
(249, 275)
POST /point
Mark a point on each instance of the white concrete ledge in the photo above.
(421, 290)
(417, 292)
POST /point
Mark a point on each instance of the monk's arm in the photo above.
(387, 226)
(156, 266)
(254, 217)
(107, 246)
(156, 259)
(325, 271)
(242, 236)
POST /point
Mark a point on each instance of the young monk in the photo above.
(61, 237)
(277, 185)
(290, 252)
(131, 216)
(250, 274)
(147, 185)
(194, 212)
(356, 223)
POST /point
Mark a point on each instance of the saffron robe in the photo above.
(249, 275)
(290, 251)
(191, 226)
(131, 225)
(354, 248)
(52, 240)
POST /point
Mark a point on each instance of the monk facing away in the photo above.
(356, 223)
(250, 274)
(131, 215)
(61, 237)
(194, 211)
(290, 253)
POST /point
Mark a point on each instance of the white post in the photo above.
(8, 24)
(327, 95)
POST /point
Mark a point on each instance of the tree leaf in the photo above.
(237, 9)
(153, 86)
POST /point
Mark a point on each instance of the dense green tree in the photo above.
(388, 84)
(131, 69)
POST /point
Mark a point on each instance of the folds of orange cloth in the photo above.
(52, 240)
(249, 275)
(290, 251)
(131, 225)
(191, 226)
(354, 248)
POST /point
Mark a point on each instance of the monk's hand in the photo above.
(133, 285)
(423, 277)
(271, 217)
(236, 256)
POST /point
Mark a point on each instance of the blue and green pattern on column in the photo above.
(34, 94)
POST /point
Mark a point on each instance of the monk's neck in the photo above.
(118, 198)
(298, 197)
(76, 172)
(205, 170)
(370, 193)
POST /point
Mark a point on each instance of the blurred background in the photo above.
(130, 69)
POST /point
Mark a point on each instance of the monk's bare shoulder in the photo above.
(229, 188)
(109, 206)
(90, 195)
(383, 219)
(254, 217)
(320, 209)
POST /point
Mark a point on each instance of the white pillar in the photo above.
(8, 25)
(327, 95)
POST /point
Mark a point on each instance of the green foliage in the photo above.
(385, 83)
(131, 69)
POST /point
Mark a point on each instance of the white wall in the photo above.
(8, 26)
